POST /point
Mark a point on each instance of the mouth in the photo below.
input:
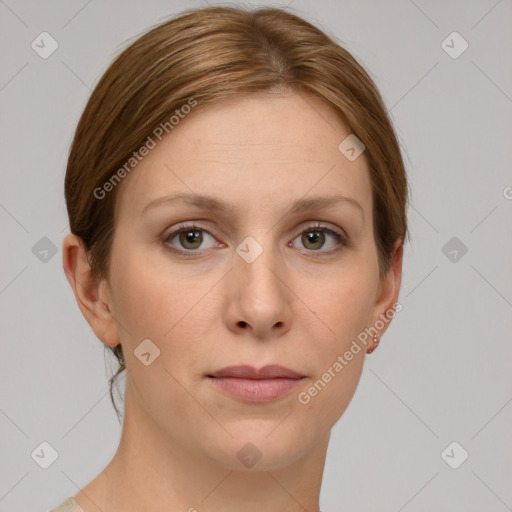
(256, 385)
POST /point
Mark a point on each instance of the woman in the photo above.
(237, 202)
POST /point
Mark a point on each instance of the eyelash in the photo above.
(341, 239)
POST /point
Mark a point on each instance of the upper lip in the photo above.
(272, 371)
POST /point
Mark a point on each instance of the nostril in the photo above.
(242, 323)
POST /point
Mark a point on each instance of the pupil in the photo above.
(191, 237)
(313, 238)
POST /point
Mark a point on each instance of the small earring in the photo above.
(376, 340)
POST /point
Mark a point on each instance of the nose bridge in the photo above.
(259, 283)
(257, 254)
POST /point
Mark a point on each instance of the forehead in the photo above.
(254, 150)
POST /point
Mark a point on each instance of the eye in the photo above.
(314, 238)
(190, 237)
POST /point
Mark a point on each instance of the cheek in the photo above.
(344, 306)
(344, 303)
(150, 299)
(172, 309)
(162, 307)
(328, 396)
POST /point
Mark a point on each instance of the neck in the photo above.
(151, 469)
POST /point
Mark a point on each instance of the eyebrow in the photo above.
(215, 204)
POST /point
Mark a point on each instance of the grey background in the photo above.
(443, 370)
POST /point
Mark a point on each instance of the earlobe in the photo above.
(376, 339)
(88, 290)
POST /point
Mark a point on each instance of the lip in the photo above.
(256, 385)
(271, 371)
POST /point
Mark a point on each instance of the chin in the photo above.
(260, 448)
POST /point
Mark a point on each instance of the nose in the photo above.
(259, 294)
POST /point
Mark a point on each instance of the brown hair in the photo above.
(208, 54)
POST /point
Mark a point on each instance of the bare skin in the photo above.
(300, 304)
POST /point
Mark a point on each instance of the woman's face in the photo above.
(255, 284)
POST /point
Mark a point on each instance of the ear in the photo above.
(387, 296)
(91, 293)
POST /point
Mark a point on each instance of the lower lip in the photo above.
(255, 390)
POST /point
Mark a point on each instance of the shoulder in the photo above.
(69, 505)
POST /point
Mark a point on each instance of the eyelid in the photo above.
(312, 225)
